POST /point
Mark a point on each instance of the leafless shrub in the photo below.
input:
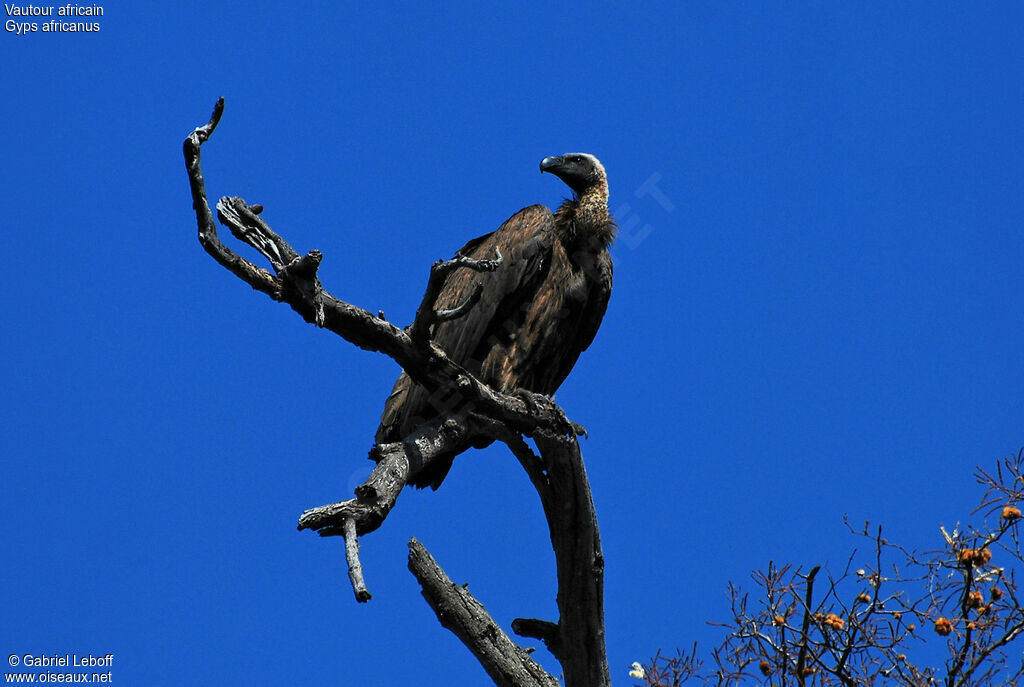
(944, 616)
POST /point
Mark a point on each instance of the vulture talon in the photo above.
(534, 403)
(532, 399)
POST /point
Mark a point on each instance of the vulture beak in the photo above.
(550, 164)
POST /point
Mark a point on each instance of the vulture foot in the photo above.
(535, 402)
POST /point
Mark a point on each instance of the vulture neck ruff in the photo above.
(585, 219)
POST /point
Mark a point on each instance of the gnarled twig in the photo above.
(426, 316)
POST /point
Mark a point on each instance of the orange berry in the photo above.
(779, 620)
(834, 621)
(1011, 513)
(974, 599)
(996, 593)
(864, 598)
(974, 556)
(943, 627)
(765, 666)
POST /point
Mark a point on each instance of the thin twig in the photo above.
(355, 568)
(426, 315)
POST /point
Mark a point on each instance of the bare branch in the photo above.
(801, 661)
(530, 461)
(461, 309)
(260, 280)
(544, 630)
(397, 462)
(426, 316)
(355, 568)
(507, 663)
(246, 225)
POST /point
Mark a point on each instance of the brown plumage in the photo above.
(537, 312)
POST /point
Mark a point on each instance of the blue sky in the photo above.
(818, 313)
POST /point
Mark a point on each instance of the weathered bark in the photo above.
(577, 638)
(355, 567)
(396, 462)
(507, 663)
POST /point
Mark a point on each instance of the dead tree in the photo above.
(556, 470)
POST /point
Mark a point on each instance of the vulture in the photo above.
(536, 313)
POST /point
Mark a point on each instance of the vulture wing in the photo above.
(558, 325)
(525, 242)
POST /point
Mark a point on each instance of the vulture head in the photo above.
(581, 172)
